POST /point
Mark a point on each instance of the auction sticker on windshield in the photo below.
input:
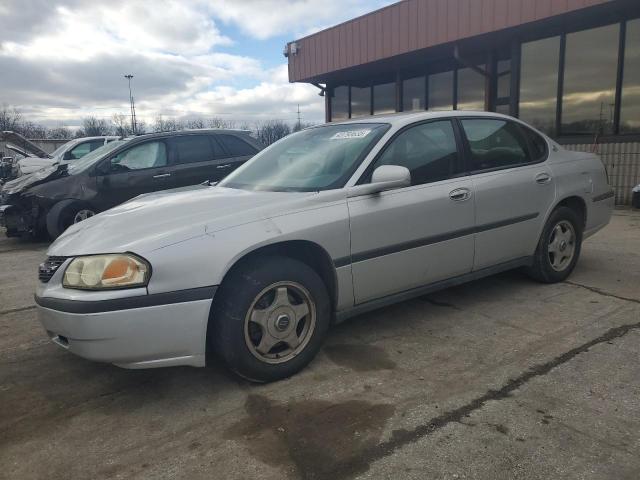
(351, 134)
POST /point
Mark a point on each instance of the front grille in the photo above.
(49, 267)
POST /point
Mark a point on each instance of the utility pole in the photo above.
(133, 105)
(299, 125)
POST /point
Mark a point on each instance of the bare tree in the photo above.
(301, 126)
(195, 123)
(168, 125)
(121, 124)
(217, 122)
(59, 133)
(95, 127)
(10, 118)
(271, 131)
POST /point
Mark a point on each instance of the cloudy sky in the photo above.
(61, 60)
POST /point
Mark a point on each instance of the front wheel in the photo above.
(270, 318)
(559, 247)
(64, 214)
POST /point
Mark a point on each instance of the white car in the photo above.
(72, 150)
(324, 224)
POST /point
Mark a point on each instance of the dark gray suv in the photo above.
(52, 199)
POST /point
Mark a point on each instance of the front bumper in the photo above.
(15, 220)
(151, 335)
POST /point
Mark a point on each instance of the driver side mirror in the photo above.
(385, 177)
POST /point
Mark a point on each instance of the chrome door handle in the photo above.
(226, 165)
(543, 178)
(460, 194)
(162, 175)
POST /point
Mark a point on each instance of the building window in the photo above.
(360, 101)
(413, 94)
(588, 99)
(441, 91)
(630, 111)
(384, 98)
(471, 86)
(340, 104)
(539, 83)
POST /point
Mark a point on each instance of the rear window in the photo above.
(236, 146)
(192, 148)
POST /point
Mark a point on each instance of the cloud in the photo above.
(64, 59)
(263, 19)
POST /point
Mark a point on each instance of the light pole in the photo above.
(133, 105)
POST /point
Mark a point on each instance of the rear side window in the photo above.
(236, 146)
(495, 143)
(192, 148)
(537, 144)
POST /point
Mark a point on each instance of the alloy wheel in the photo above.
(83, 215)
(562, 245)
(280, 322)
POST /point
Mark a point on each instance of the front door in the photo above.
(140, 169)
(513, 185)
(413, 236)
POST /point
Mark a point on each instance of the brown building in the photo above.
(569, 67)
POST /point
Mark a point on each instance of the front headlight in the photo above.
(105, 272)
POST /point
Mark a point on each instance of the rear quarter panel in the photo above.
(582, 174)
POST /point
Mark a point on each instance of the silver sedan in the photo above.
(327, 223)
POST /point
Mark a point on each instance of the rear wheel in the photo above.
(270, 318)
(559, 247)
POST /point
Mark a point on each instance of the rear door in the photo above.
(142, 168)
(194, 159)
(238, 151)
(514, 188)
(406, 238)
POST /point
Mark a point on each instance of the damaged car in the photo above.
(67, 152)
(51, 199)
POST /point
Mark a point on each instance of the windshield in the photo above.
(90, 158)
(60, 150)
(319, 158)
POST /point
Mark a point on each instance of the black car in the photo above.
(51, 199)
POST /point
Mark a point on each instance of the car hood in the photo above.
(31, 164)
(41, 175)
(152, 221)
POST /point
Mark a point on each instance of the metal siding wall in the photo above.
(415, 24)
(622, 161)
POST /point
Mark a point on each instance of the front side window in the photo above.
(319, 158)
(428, 150)
(78, 151)
(588, 98)
(147, 155)
(192, 148)
(236, 146)
(495, 143)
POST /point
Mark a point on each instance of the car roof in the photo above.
(171, 133)
(403, 118)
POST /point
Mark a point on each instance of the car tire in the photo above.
(559, 247)
(63, 214)
(258, 324)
